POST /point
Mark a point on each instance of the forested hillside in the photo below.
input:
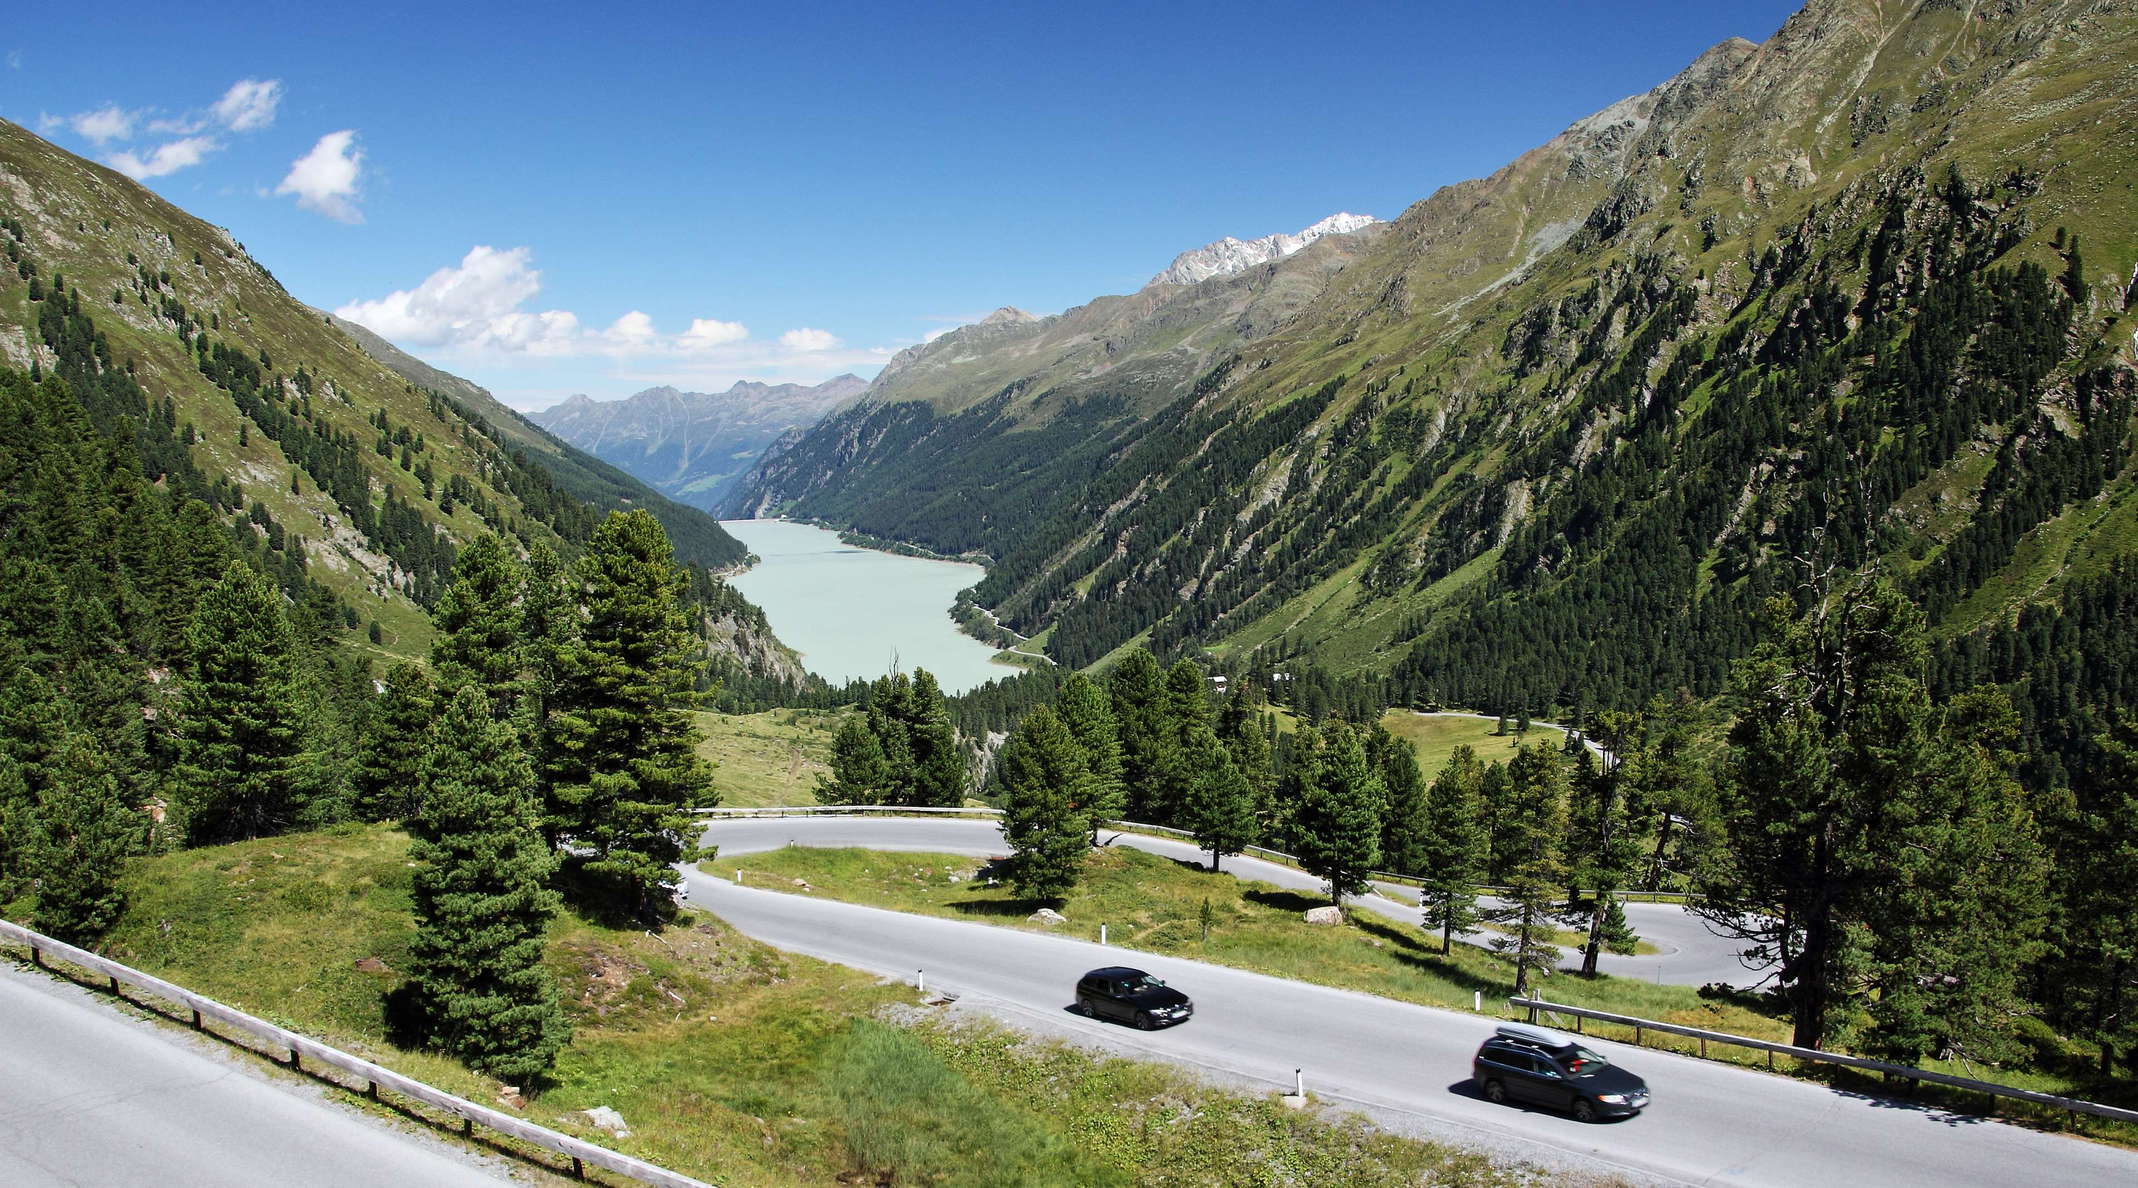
(1853, 296)
(375, 476)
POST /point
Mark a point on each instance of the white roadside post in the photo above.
(1102, 934)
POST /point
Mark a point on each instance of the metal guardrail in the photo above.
(303, 1049)
(1534, 1006)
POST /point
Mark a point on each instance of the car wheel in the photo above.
(1084, 1008)
(1144, 1020)
(1495, 1093)
(1584, 1110)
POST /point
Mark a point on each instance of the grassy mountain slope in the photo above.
(367, 476)
(1857, 294)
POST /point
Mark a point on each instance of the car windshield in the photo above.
(1581, 1062)
(1137, 985)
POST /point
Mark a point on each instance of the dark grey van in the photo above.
(1539, 1066)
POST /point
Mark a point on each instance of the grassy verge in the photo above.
(1154, 904)
(731, 1061)
(772, 758)
(1436, 736)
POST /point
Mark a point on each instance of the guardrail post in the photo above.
(114, 985)
(37, 957)
(578, 1169)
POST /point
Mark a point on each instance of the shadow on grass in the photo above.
(1002, 907)
(1412, 949)
(1284, 901)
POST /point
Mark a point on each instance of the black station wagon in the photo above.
(1132, 996)
(1539, 1066)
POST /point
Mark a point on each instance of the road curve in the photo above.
(90, 1096)
(1710, 1124)
(1687, 953)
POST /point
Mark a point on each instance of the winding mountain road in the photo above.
(1406, 1065)
(1687, 953)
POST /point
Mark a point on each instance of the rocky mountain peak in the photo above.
(1229, 256)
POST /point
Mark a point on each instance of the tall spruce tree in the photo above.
(2095, 963)
(858, 771)
(1404, 824)
(1137, 689)
(1528, 909)
(1187, 739)
(481, 637)
(1603, 854)
(1455, 846)
(549, 629)
(476, 984)
(1337, 829)
(1853, 819)
(241, 730)
(628, 773)
(938, 775)
(1042, 776)
(83, 831)
(1221, 805)
(1961, 913)
(390, 749)
(1088, 715)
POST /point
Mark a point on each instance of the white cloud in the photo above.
(325, 178)
(107, 123)
(706, 334)
(249, 105)
(809, 339)
(480, 313)
(476, 304)
(167, 158)
(14, 59)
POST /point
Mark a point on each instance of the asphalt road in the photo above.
(1409, 1065)
(90, 1096)
(1687, 953)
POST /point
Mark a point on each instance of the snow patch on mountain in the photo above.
(1228, 255)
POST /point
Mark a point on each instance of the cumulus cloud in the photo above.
(249, 105)
(483, 312)
(165, 158)
(325, 179)
(706, 334)
(103, 125)
(807, 338)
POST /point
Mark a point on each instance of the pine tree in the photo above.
(1831, 778)
(1221, 805)
(1137, 689)
(390, 750)
(628, 773)
(83, 832)
(1960, 914)
(858, 773)
(480, 632)
(938, 776)
(1602, 852)
(549, 629)
(1454, 847)
(1089, 717)
(1529, 908)
(476, 985)
(240, 727)
(2095, 969)
(1042, 776)
(1186, 740)
(1338, 825)
(1404, 825)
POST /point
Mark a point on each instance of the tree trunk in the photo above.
(1447, 936)
(1588, 951)
(1213, 862)
(1811, 996)
(1655, 862)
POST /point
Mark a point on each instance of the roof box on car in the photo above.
(1537, 1035)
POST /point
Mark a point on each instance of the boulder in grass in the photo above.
(1047, 916)
(1326, 914)
(607, 1119)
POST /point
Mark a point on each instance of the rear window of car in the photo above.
(1507, 1057)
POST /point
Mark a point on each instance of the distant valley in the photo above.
(693, 446)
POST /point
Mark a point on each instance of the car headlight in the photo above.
(1611, 1098)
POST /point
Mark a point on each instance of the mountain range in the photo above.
(1852, 297)
(692, 446)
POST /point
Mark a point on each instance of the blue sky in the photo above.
(552, 198)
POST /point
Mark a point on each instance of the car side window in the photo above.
(1518, 1061)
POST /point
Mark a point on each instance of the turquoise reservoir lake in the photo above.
(854, 612)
